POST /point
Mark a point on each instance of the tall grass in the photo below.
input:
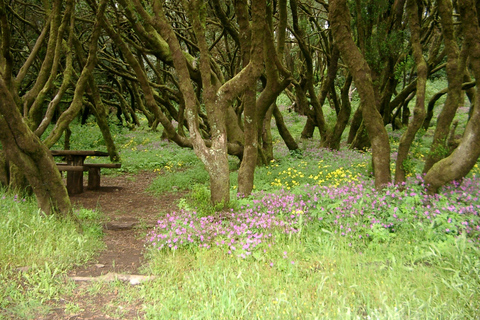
(35, 249)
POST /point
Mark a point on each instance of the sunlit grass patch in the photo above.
(30, 237)
(312, 277)
(316, 167)
(36, 250)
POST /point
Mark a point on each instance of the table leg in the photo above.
(75, 178)
(74, 182)
(93, 178)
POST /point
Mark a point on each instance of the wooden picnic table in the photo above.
(75, 165)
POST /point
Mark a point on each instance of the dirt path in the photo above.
(129, 212)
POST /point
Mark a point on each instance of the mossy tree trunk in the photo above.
(246, 171)
(456, 63)
(464, 157)
(339, 16)
(408, 136)
(217, 97)
(334, 138)
(23, 148)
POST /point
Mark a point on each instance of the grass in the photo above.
(314, 241)
(316, 277)
(35, 250)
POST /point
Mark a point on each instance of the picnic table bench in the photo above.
(75, 166)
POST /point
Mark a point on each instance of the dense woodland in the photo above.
(206, 75)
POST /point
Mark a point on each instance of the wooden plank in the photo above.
(66, 167)
(102, 165)
(78, 153)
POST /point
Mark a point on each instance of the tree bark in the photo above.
(283, 129)
(419, 109)
(23, 148)
(67, 117)
(334, 138)
(246, 171)
(217, 97)
(339, 17)
(464, 157)
(315, 101)
(456, 62)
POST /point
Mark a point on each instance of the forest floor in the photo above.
(130, 212)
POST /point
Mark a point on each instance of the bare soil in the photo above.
(130, 212)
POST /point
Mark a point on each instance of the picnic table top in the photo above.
(84, 153)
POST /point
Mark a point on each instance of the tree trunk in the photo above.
(75, 106)
(355, 125)
(101, 116)
(335, 137)
(4, 170)
(267, 140)
(246, 171)
(339, 17)
(419, 109)
(464, 157)
(24, 149)
(456, 63)
(315, 101)
(249, 161)
(283, 129)
(308, 129)
(217, 97)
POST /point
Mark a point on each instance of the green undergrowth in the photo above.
(36, 250)
(316, 277)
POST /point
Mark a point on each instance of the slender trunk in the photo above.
(246, 171)
(45, 71)
(67, 117)
(4, 170)
(101, 116)
(339, 16)
(217, 97)
(315, 101)
(143, 81)
(283, 129)
(67, 77)
(247, 167)
(335, 137)
(456, 62)
(308, 129)
(35, 110)
(355, 125)
(419, 109)
(267, 141)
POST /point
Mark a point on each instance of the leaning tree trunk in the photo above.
(23, 148)
(419, 110)
(339, 17)
(283, 129)
(455, 70)
(464, 157)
